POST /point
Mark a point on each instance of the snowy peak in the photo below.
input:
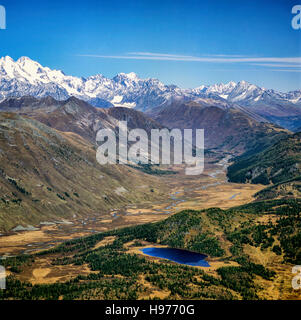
(242, 92)
(232, 91)
(130, 76)
(26, 77)
(222, 88)
(126, 79)
(6, 59)
(27, 70)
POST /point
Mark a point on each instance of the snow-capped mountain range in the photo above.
(28, 77)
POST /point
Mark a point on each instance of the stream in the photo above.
(175, 197)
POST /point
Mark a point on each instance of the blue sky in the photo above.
(187, 42)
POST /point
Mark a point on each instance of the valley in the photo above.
(185, 192)
(240, 244)
(150, 150)
(71, 228)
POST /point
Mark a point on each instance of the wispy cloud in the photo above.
(152, 54)
(163, 55)
(286, 70)
(208, 59)
(273, 65)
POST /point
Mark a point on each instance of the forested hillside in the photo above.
(235, 241)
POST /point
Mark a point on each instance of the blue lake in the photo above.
(178, 255)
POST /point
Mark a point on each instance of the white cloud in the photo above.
(163, 55)
(286, 70)
(272, 65)
(186, 58)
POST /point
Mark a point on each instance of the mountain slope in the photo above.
(228, 129)
(280, 108)
(48, 175)
(276, 164)
(75, 115)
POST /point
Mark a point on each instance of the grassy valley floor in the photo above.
(186, 192)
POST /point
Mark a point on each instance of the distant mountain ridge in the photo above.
(26, 77)
(226, 129)
(77, 116)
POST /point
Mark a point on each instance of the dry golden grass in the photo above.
(221, 196)
(196, 191)
(39, 274)
(43, 272)
(151, 291)
(280, 288)
(105, 242)
(16, 243)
